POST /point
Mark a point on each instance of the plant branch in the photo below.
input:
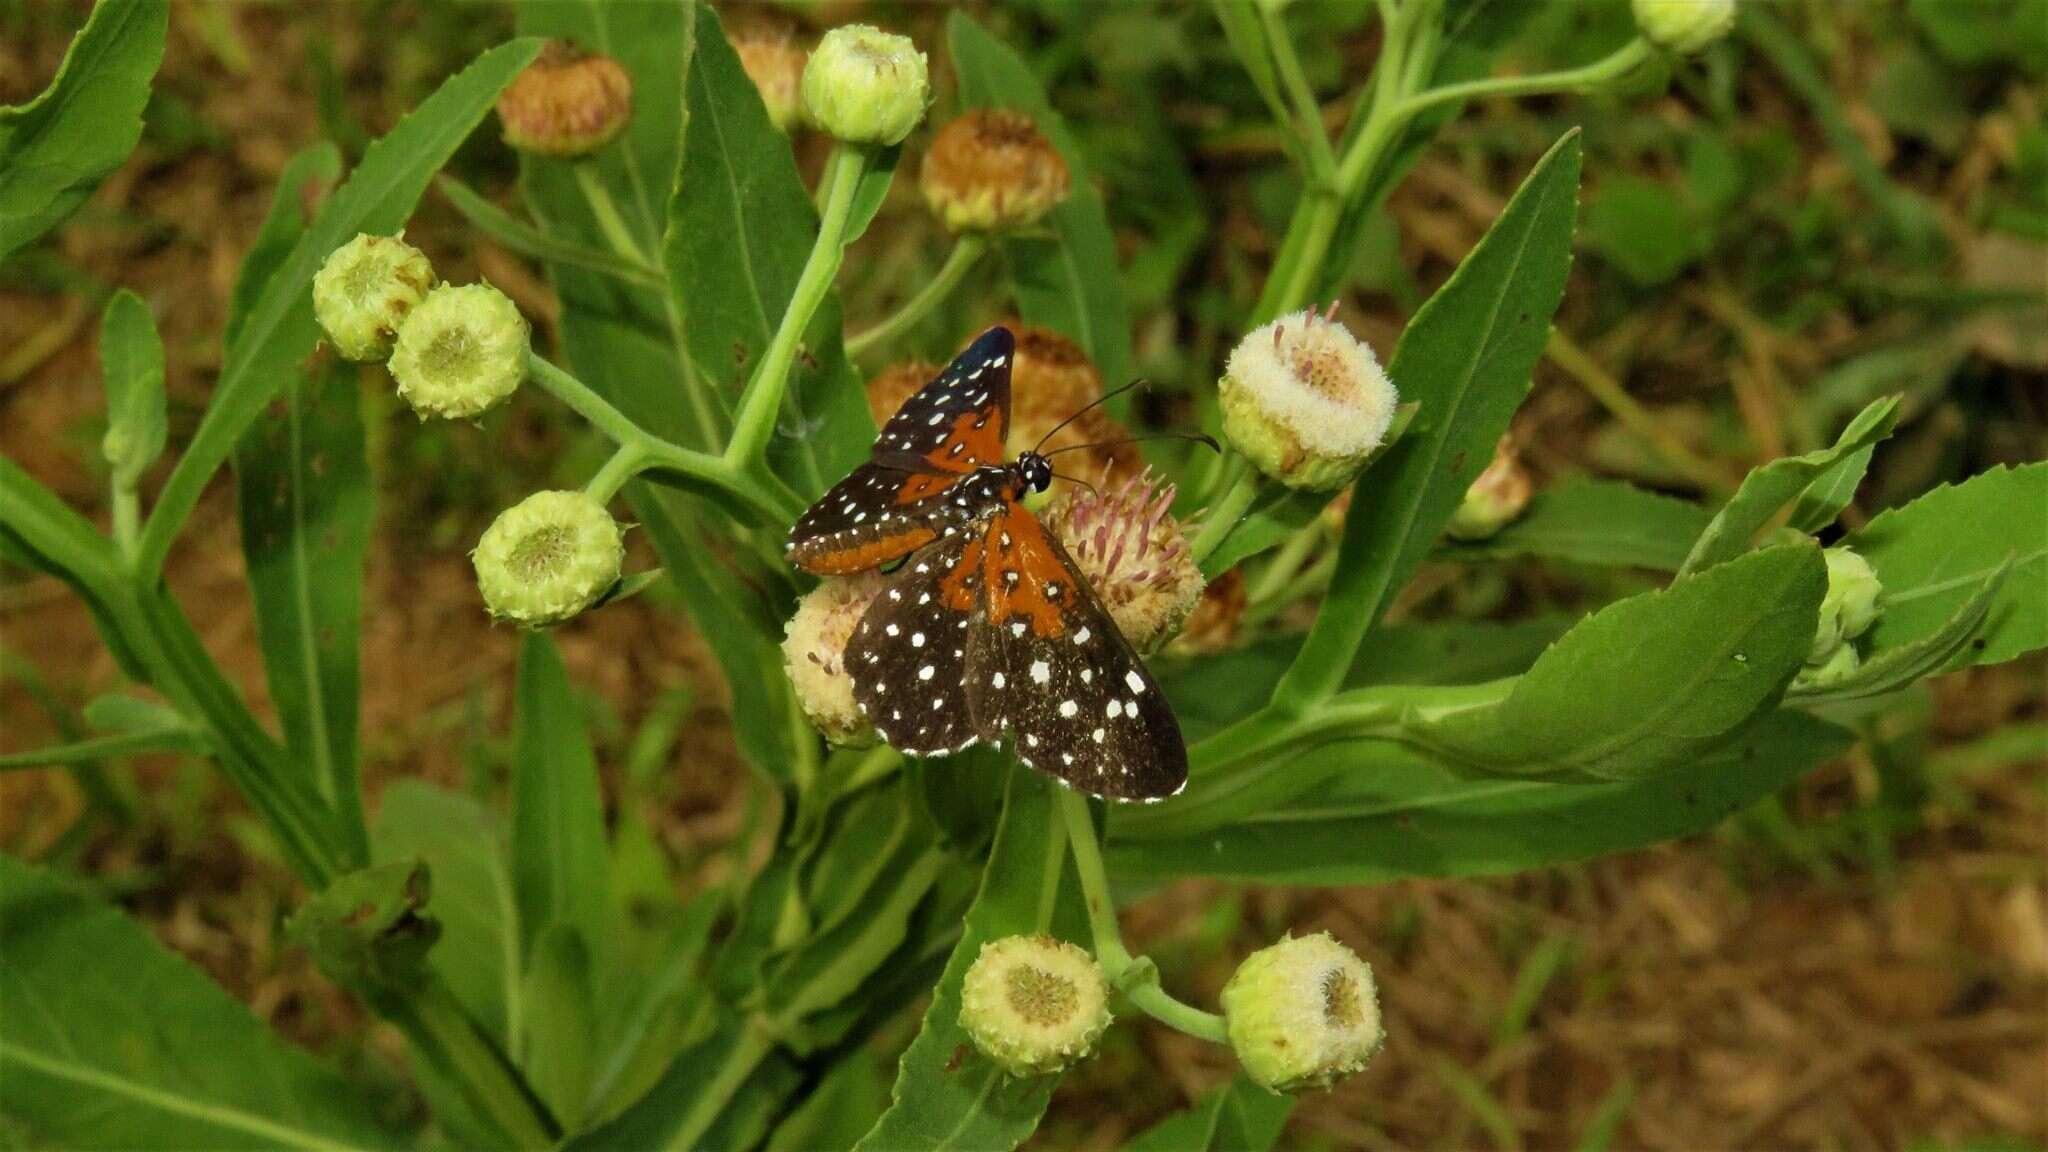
(967, 252)
(1587, 78)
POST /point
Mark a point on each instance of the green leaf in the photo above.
(845, 1104)
(1890, 669)
(105, 748)
(1276, 514)
(305, 497)
(1238, 1117)
(55, 149)
(1595, 522)
(472, 898)
(307, 178)
(1932, 555)
(1067, 281)
(1646, 229)
(113, 1042)
(1833, 491)
(527, 240)
(947, 1096)
(562, 1023)
(132, 365)
(1770, 487)
(1395, 812)
(280, 330)
(367, 930)
(741, 227)
(1653, 681)
(1466, 357)
(559, 864)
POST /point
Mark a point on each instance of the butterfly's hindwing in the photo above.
(862, 523)
(908, 655)
(1047, 664)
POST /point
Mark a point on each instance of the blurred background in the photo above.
(1848, 198)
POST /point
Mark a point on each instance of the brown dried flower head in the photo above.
(991, 170)
(768, 50)
(567, 103)
(1124, 539)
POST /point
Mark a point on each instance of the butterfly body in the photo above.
(987, 630)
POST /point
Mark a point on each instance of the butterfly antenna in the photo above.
(1138, 383)
(1196, 437)
(1077, 480)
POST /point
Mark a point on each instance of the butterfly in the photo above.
(986, 630)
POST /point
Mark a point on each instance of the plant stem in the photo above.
(1315, 139)
(609, 221)
(1221, 516)
(1109, 941)
(741, 1059)
(762, 401)
(625, 463)
(127, 519)
(1586, 78)
(443, 1034)
(967, 251)
(1286, 564)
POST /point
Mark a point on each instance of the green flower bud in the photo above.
(991, 170)
(567, 103)
(1496, 499)
(460, 352)
(1683, 26)
(364, 291)
(1306, 401)
(866, 86)
(1302, 1013)
(548, 557)
(814, 651)
(1839, 665)
(1034, 1004)
(1850, 607)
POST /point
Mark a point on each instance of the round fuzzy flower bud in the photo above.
(991, 170)
(774, 61)
(1302, 1013)
(567, 103)
(548, 557)
(866, 86)
(1683, 26)
(1496, 499)
(1850, 607)
(1127, 543)
(889, 389)
(814, 650)
(460, 351)
(1034, 1004)
(365, 289)
(1306, 401)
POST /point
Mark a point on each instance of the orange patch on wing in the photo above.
(980, 441)
(922, 487)
(861, 557)
(1030, 556)
(956, 588)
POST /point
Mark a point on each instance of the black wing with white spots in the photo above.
(908, 655)
(957, 422)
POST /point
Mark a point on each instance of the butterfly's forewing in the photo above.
(904, 497)
(908, 655)
(1047, 664)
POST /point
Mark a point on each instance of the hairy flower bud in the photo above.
(814, 651)
(460, 351)
(1850, 607)
(1306, 401)
(866, 86)
(1126, 542)
(1496, 499)
(567, 103)
(774, 61)
(991, 170)
(364, 290)
(1034, 1004)
(548, 557)
(1683, 26)
(1302, 1013)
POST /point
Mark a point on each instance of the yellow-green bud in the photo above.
(567, 103)
(1683, 26)
(991, 170)
(1838, 666)
(1850, 607)
(1034, 1004)
(364, 290)
(548, 557)
(866, 86)
(460, 351)
(1496, 499)
(1306, 401)
(1302, 1013)
(814, 651)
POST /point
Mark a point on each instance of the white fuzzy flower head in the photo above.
(460, 351)
(1683, 26)
(1302, 1013)
(364, 291)
(548, 557)
(1137, 560)
(1306, 401)
(866, 86)
(1034, 1004)
(814, 650)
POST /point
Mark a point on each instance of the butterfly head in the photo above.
(1034, 471)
